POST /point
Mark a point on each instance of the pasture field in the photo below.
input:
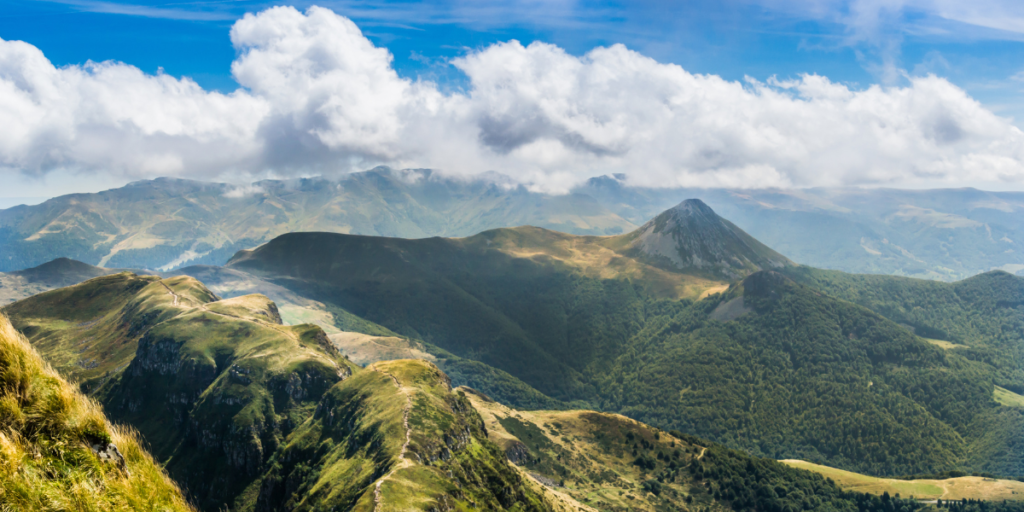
(970, 487)
(1008, 398)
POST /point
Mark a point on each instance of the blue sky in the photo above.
(732, 39)
(974, 48)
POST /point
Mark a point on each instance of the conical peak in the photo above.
(689, 214)
(691, 237)
(694, 206)
(691, 209)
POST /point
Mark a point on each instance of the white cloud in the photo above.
(244, 191)
(317, 96)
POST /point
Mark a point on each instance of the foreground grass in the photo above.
(47, 429)
(970, 487)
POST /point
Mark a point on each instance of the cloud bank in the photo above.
(318, 97)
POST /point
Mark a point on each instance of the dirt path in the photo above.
(378, 496)
(170, 291)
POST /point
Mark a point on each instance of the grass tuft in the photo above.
(47, 430)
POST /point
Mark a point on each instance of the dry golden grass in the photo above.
(592, 256)
(970, 487)
(575, 433)
(46, 430)
(944, 345)
(364, 349)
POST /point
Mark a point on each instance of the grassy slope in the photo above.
(399, 424)
(969, 487)
(611, 463)
(503, 297)
(528, 302)
(213, 386)
(47, 429)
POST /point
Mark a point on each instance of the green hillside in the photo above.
(59, 452)
(393, 437)
(768, 365)
(611, 463)
(246, 412)
(213, 386)
(980, 319)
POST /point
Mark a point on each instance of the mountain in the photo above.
(245, 411)
(765, 364)
(944, 234)
(58, 273)
(691, 238)
(214, 386)
(169, 223)
(392, 436)
(59, 452)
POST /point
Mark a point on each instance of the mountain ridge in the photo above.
(941, 234)
(533, 303)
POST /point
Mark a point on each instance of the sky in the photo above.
(750, 93)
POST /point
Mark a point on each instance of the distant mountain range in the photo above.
(169, 223)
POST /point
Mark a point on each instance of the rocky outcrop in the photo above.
(108, 452)
(518, 453)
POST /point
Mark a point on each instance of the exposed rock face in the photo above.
(517, 453)
(692, 237)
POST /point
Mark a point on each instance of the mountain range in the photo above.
(170, 223)
(276, 382)
(735, 349)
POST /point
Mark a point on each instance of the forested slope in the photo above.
(770, 366)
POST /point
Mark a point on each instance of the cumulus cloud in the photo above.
(318, 96)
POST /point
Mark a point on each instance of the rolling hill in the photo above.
(246, 412)
(612, 463)
(59, 452)
(765, 364)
